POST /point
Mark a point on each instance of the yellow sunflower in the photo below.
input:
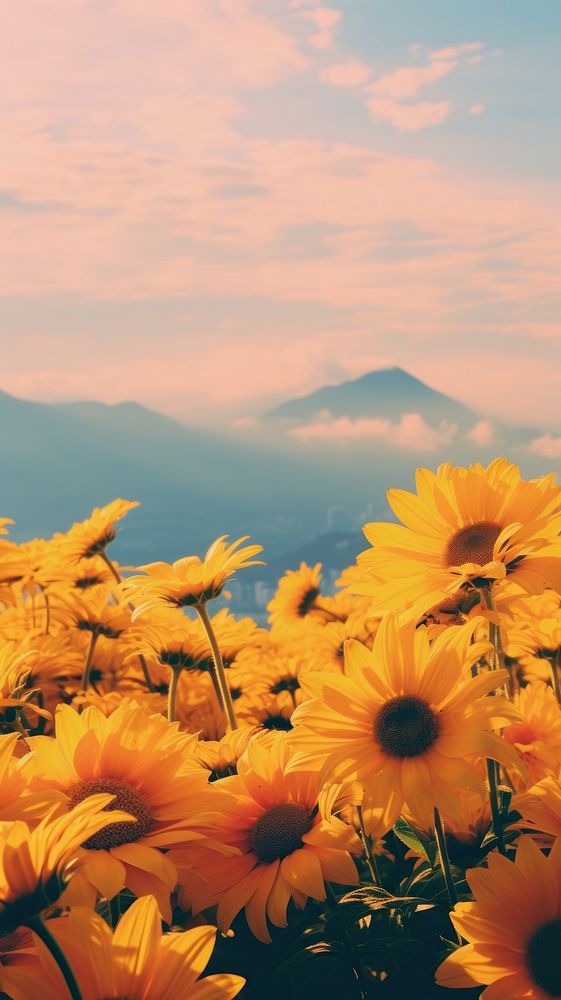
(288, 834)
(150, 769)
(513, 928)
(136, 962)
(91, 537)
(35, 865)
(404, 721)
(537, 736)
(464, 526)
(191, 580)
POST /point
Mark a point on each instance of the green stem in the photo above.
(367, 848)
(494, 803)
(115, 908)
(444, 859)
(172, 693)
(225, 696)
(495, 637)
(41, 930)
(89, 662)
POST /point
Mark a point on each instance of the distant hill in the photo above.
(387, 393)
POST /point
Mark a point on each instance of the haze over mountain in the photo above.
(302, 482)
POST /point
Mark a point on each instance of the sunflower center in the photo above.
(279, 831)
(472, 544)
(126, 798)
(307, 600)
(542, 957)
(406, 726)
(277, 722)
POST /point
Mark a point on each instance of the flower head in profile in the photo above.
(287, 832)
(189, 581)
(91, 537)
(513, 927)
(135, 961)
(464, 525)
(35, 865)
(404, 721)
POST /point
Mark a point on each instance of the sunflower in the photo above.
(35, 865)
(537, 736)
(404, 721)
(513, 928)
(189, 581)
(17, 800)
(221, 757)
(464, 527)
(91, 537)
(284, 825)
(150, 769)
(137, 961)
(540, 808)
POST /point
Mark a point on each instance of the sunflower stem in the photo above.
(42, 931)
(48, 614)
(225, 696)
(23, 734)
(494, 803)
(115, 908)
(89, 662)
(172, 692)
(118, 578)
(444, 858)
(367, 848)
(495, 637)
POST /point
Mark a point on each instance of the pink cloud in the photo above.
(407, 81)
(483, 433)
(476, 109)
(411, 433)
(345, 74)
(455, 51)
(326, 19)
(547, 445)
(409, 117)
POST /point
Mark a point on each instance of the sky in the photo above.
(210, 206)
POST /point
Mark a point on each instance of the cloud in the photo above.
(411, 433)
(455, 51)
(326, 19)
(483, 433)
(345, 74)
(476, 109)
(409, 117)
(408, 81)
(547, 445)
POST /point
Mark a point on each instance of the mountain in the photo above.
(300, 498)
(389, 394)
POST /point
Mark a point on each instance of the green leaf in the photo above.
(415, 840)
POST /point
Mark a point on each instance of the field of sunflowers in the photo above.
(361, 800)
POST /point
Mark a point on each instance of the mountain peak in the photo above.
(386, 393)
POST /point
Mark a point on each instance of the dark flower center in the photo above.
(542, 957)
(277, 722)
(126, 798)
(472, 544)
(279, 831)
(100, 544)
(307, 600)
(406, 726)
(286, 684)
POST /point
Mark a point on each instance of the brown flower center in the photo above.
(542, 957)
(277, 722)
(279, 831)
(126, 798)
(306, 601)
(406, 726)
(472, 544)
